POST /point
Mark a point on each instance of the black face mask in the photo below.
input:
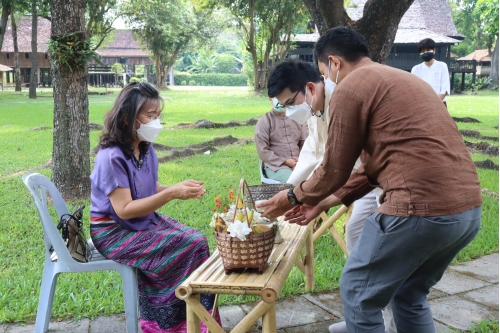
(427, 56)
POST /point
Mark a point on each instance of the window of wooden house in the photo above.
(27, 55)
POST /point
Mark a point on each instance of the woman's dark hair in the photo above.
(292, 74)
(342, 41)
(119, 122)
(426, 44)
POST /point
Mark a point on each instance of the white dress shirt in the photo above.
(436, 75)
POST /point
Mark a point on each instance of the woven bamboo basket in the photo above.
(251, 253)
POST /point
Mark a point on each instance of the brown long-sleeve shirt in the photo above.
(409, 146)
(278, 138)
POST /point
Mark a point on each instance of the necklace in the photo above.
(138, 163)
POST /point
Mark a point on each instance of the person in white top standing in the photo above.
(432, 71)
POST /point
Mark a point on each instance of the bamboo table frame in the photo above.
(327, 224)
(210, 278)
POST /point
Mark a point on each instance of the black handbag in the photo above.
(71, 226)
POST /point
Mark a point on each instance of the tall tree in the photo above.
(379, 22)
(166, 27)
(265, 26)
(17, 70)
(34, 49)
(488, 13)
(100, 16)
(6, 10)
(69, 53)
(468, 23)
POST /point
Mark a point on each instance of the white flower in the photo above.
(239, 229)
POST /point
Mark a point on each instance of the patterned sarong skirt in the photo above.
(164, 257)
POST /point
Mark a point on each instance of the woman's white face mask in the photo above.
(329, 84)
(148, 132)
(300, 112)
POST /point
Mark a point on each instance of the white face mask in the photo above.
(276, 108)
(148, 132)
(301, 112)
(329, 84)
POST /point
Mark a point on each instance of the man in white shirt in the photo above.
(432, 71)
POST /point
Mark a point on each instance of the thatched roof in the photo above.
(123, 45)
(24, 36)
(478, 55)
(403, 36)
(431, 15)
(4, 68)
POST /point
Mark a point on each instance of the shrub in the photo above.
(137, 79)
(211, 79)
(183, 83)
(226, 63)
(191, 82)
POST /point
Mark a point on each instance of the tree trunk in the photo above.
(494, 65)
(17, 70)
(161, 79)
(379, 22)
(34, 50)
(71, 147)
(6, 9)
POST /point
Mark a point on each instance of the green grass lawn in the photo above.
(93, 294)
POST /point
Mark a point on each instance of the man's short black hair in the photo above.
(292, 74)
(342, 41)
(426, 44)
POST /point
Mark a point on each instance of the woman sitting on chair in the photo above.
(125, 226)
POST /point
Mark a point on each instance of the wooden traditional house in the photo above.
(424, 19)
(123, 49)
(483, 59)
(24, 46)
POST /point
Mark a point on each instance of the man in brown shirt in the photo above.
(279, 140)
(411, 148)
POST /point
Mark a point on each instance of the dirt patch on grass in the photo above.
(489, 193)
(482, 147)
(41, 128)
(203, 123)
(22, 172)
(477, 135)
(95, 127)
(488, 164)
(465, 120)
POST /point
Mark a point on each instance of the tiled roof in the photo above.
(122, 53)
(4, 68)
(403, 36)
(24, 35)
(478, 55)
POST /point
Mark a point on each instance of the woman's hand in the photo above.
(188, 189)
(302, 214)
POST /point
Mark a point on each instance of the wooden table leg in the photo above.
(193, 322)
(309, 261)
(269, 320)
(202, 314)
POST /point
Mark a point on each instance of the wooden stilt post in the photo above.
(269, 320)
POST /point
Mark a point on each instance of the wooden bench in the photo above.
(210, 278)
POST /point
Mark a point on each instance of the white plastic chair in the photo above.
(263, 178)
(39, 186)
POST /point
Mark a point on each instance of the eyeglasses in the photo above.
(290, 105)
(152, 116)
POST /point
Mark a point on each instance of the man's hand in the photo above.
(302, 214)
(277, 205)
(291, 162)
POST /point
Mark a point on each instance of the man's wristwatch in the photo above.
(292, 198)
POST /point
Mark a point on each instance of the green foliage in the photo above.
(137, 79)
(211, 79)
(226, 63)
(202, 63)
(487, 10)
(183, 83)
(117, 68)
(72, 50)
(99, 17)
(139, 70)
